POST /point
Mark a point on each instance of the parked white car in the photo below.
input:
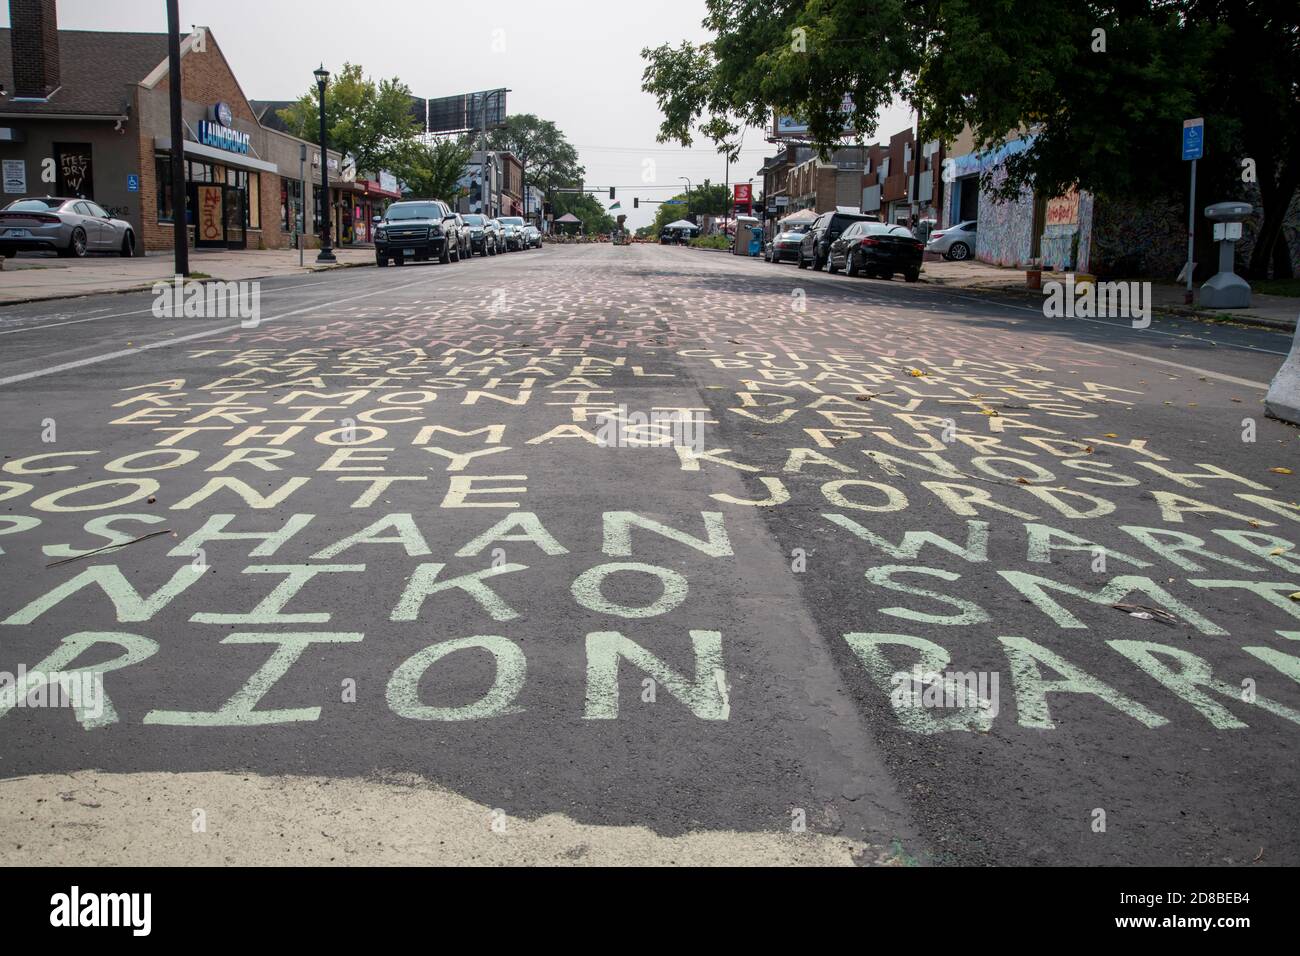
(956, 242)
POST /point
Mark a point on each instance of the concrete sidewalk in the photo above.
(34, 277)
(1274, 311)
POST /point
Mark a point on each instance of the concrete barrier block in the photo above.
(1283, 400)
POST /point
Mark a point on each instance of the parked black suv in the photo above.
(417, 229)
(816, 245)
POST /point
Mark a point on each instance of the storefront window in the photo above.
(197, 172)
(162, 174)
(291, 205)
(254, 201)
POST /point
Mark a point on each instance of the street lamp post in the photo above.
(688, 195)
(326, 252)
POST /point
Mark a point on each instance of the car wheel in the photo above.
(76, 245)
(818, 264)
(852, 267)
(886, 276)
(912, 275)
(803, 263)
(399, 260)
(959, 252)
(10, 253)
(445, 256)
(128, 245)
(381, 261)
(831, 267)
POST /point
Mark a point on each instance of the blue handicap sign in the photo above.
(1194, 139)
(133, 183)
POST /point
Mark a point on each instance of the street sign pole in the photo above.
(1191, 236)
(1193, 149)
(180, 226)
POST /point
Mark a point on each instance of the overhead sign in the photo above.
(465, 111)
(223, 137)
(794, 127)
(1194, 138)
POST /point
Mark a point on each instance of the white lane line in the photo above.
(122, 315)
(1207, 373)
(1136, 356)
(122, 353)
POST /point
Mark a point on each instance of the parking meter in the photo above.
(1225, 289)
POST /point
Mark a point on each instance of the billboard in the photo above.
(793, 127)
(464, 111)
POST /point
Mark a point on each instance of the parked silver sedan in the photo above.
(70, 227)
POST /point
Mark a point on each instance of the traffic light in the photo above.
(636, 202)
(611, 192)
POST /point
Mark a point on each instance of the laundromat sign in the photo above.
(219, 133)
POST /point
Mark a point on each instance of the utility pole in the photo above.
(179, 225)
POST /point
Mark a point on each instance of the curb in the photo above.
(1189, 312)
(59, 297)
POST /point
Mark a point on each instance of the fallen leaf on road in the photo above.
(991, 412)
(1142, 612)
(1110, 435)
(1294, 597)
(915, 372)
(1280, 471)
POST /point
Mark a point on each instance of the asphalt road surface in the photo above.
(643, 555)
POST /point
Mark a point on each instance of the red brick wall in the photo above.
(206, 78)
(35, 41)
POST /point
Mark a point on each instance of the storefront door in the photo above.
(236, 235)
(208, 201)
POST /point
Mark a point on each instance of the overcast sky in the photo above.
(576, 62)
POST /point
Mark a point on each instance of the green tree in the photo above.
(370, 121)
(549, 160)
(587, 208)
(1105, 86)
(431, 171)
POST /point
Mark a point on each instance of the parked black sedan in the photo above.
(877, 249)
(784, 246)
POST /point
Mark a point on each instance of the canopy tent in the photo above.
(799, 218)
(568, 219)
(682, 224)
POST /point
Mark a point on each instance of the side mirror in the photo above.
(376, 218)
(448, 218)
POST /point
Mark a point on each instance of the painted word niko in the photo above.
(429, 594)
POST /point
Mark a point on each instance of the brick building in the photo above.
(88, 114)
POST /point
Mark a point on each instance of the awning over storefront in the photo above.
(972, 163)
(372, 188)
(223, 156)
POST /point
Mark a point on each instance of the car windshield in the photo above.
(415, 210)
(513, 220)
(474, 220)
(34, 205)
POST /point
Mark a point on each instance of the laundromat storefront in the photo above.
(223, 193)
